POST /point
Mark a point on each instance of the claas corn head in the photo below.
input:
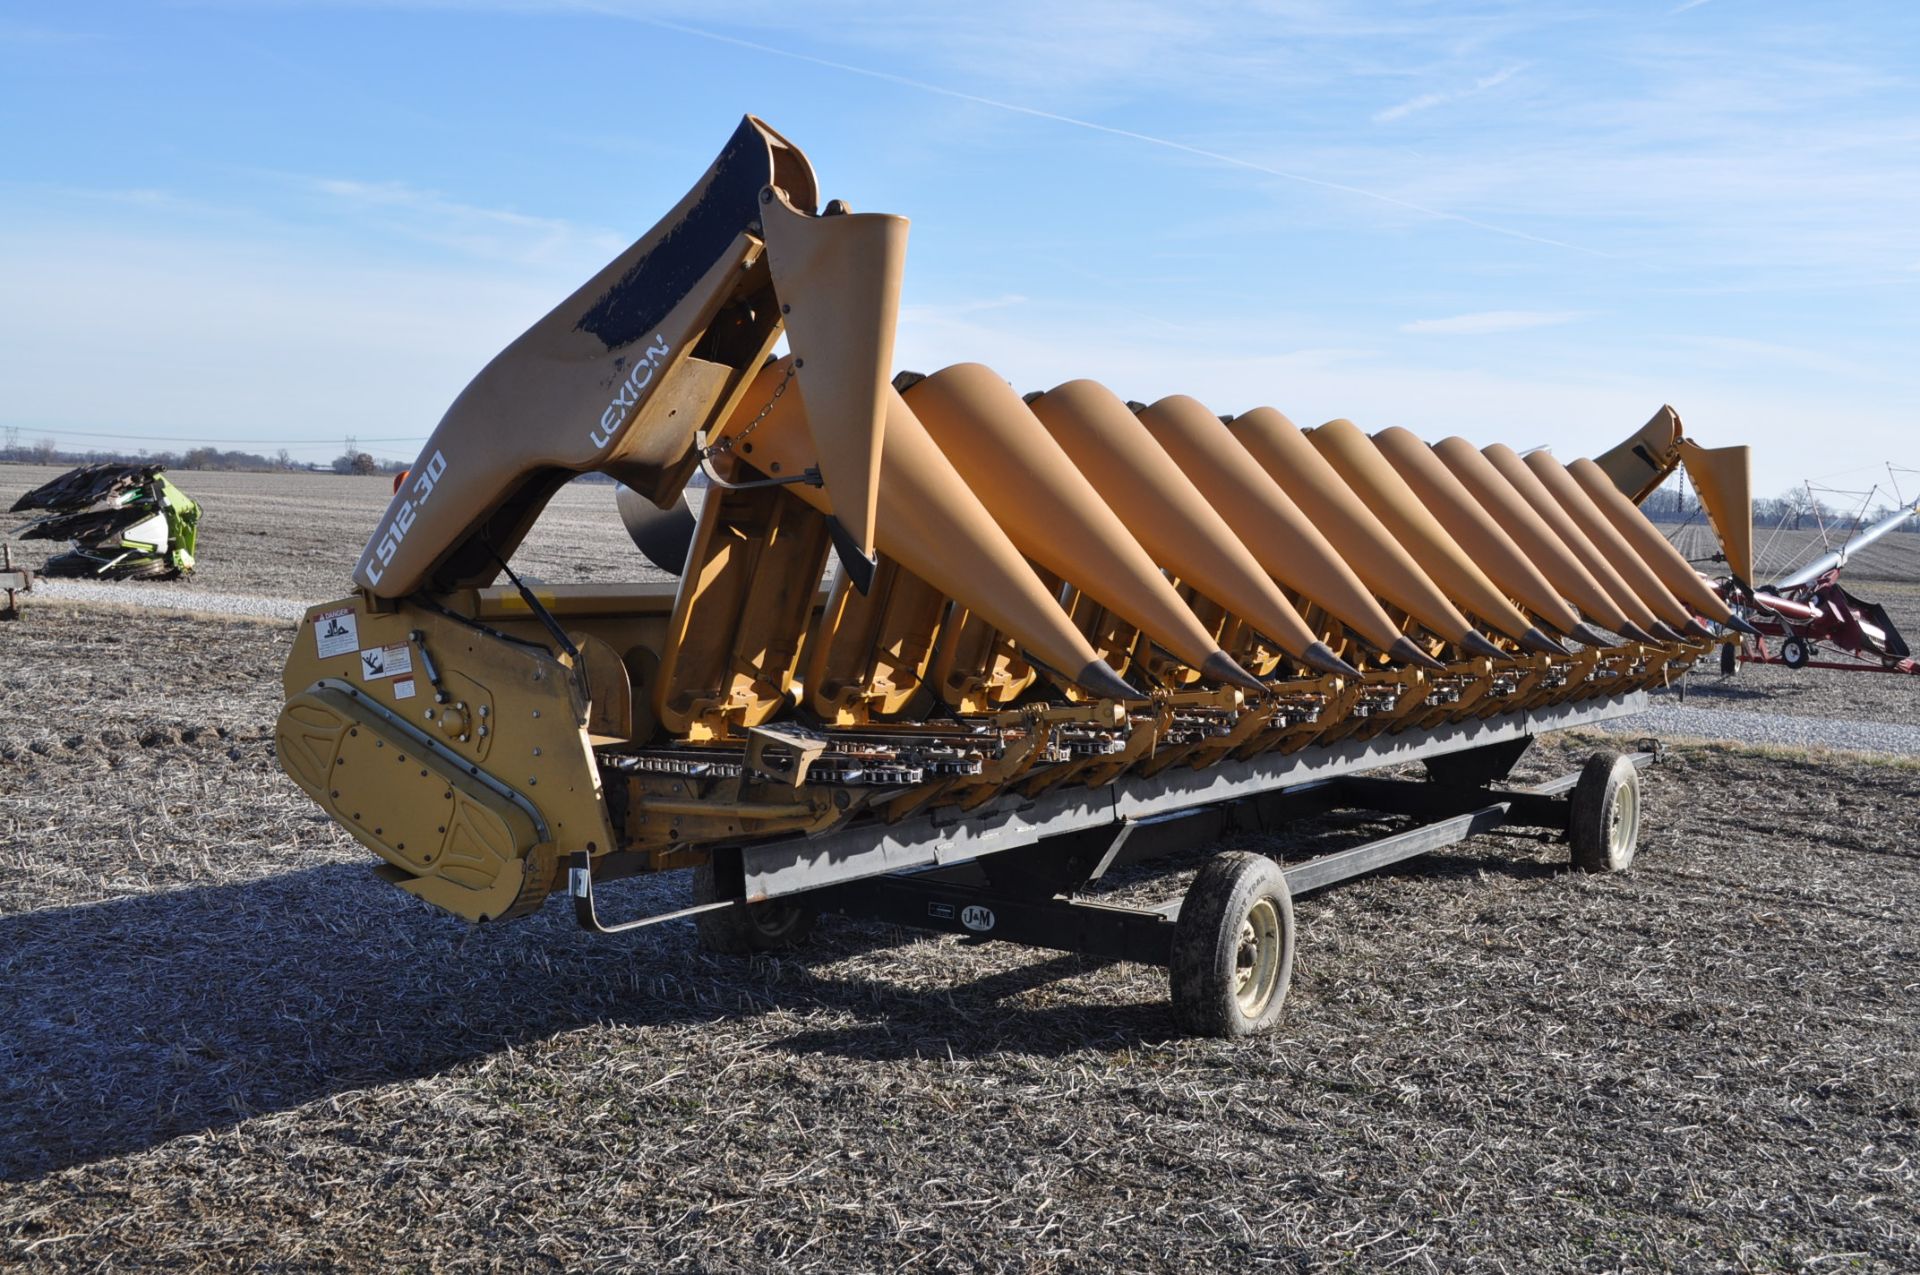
(1047, 617)
(127, 522)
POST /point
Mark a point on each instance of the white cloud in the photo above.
(489, 233)
(1427, 101)
(1487, 321)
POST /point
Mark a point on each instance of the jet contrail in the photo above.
(1163, 142)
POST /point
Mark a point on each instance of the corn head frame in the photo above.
(1057, 631)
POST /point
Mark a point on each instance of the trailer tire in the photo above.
(1603, 824)
(1232, 955)
(1795, 652)
(751, 927)
(1729, 659)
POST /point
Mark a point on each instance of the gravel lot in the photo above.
(225, 1044)
(1767, 704)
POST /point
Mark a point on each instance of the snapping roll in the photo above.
(1600, 532)
(932, 524)
(1495, 551)
(1400, 509)
(1665, 560)
(1053, 514)
(1167, 514)
(1380, 560)
(1639, 623)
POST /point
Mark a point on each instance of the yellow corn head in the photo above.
(927, 600)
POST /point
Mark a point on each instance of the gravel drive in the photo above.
(1671, 718)
(166, 595)
(1768, 704)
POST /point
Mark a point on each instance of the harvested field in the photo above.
(1894, 557)
(225, 1044)
(297, 536)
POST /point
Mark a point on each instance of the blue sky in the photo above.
(1527, 222)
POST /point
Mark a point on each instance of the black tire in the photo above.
(1603, 824)
(1233, 947)
(756, 927)
(1729, 659)
(77, 565)
(1795, 652)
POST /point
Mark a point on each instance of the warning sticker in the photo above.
(377, 662)
(403, 688)
(336, 632)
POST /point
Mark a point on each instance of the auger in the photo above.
(931, 625)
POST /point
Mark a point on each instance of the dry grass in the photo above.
(224, 1044)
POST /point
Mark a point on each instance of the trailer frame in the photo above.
(13, 582)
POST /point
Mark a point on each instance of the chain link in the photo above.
(727, 444)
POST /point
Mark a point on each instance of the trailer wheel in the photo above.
(1795, 652)
(1604, 822)
(756, 927)
(1729, 659)
(1233, 947)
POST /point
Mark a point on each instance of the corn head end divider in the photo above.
(1059, 630)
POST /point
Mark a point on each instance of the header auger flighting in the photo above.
(1046, 613)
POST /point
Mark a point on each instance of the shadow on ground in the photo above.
(138, 1020)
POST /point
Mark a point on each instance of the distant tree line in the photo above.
(45, 451)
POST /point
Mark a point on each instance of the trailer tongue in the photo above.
(941, 652)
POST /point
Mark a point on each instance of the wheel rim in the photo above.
(1623, 822)
(1256, 966)
(774, 920)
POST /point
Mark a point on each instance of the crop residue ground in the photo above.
(224, 1043)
